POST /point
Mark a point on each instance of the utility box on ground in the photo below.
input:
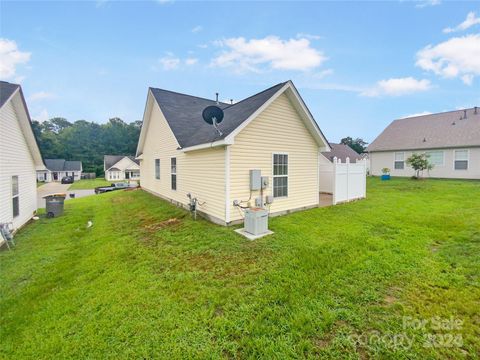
(256, 221)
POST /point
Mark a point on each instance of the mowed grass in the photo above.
(87, 184)
(331, 283)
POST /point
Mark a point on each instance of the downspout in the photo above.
(227, 184)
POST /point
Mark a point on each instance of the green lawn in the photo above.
(136, 285)
(89, 184)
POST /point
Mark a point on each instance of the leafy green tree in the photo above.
(419, 163)
(358, 144)
(86, 141)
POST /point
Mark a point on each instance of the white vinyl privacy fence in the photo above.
(345, 181)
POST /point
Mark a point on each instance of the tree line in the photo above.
(86, 141)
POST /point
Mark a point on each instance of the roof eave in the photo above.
(218, 143)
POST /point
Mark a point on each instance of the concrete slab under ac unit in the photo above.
(252, 237)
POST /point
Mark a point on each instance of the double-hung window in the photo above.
(15, 196)
(280, 175)
(399, 161)
(157, 169)
(173, 167)
(435, 157)
(461, 160)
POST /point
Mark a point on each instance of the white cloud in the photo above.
(41, 95)
(191, 61)
(456, 57)
(417, 114)
(10, 58)
(470, 21)
(397, 87)
(169, 62)
(269, 52)
(197, 29)
(425, 3)
(308, 36)
(41, 116)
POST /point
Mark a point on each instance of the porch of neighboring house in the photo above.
(132, 174)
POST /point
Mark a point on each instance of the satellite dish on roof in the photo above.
(213, 115)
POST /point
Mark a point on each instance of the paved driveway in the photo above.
(56, 187)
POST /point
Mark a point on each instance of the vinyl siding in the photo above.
(380, 160)
(200, 173)
(278, 129)
(15, 160)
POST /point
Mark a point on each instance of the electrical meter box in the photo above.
(264, 182)
(255, 179)
(256, 221)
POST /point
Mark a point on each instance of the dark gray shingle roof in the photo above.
(342, 151)
(6, 90)
(110, 160)
(443, 130)
(62, 165)
(184, 114)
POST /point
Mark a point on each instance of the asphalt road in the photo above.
(56, 187)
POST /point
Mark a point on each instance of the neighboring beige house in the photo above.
(451, 139)
(20, 158)
(121, 167)
(272, 131)
(56, 169)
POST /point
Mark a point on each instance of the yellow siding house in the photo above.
(272, 131)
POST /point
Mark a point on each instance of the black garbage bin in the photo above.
(54, 204)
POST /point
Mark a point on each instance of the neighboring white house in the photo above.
(121, 167)
(450, 139)
(20, 158)
(56, 169)
(272, 131)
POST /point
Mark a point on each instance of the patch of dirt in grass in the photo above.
(119, 200)
(221, 266)
(385, 231)
(391, 297)
(169, 223)
(325, 341)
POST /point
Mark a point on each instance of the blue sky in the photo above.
(358, 65)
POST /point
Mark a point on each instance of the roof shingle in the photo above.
(110, 160)
(443, 130)
(342, 151)
(63, 165)
(6, 90)
(184, 114)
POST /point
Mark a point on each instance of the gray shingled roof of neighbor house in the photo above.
(184, 114)
(110, 160)
(444, 130)
(342, 151)
(62, 165)
(6, 90)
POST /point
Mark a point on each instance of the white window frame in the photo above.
(173, 174)
(395, 160)
(15, 196)
(157, 176)
(277, 176)
(439, 151)
(455, 159)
